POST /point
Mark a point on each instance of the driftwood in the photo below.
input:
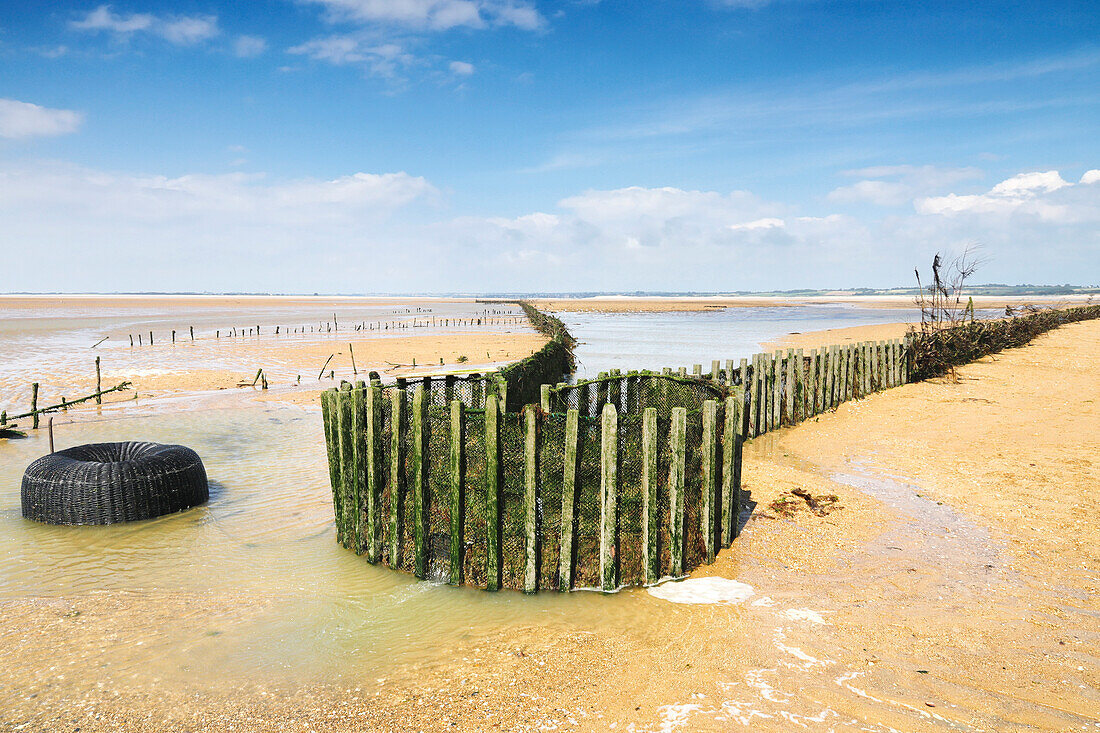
(65, 404)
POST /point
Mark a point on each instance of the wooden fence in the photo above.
(532, 500)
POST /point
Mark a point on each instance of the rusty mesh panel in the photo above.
(587, 505)
(551, 469)
(629, 550)
(474, 528)
(513, 540)
(694, 549)
(438, 495)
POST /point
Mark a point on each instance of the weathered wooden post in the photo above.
(330, 414)
(710, 477)
(609, 497)
(492, 492)
(34, 405)
(676, 473)
(359, 462)
(568, 496)
(419, 428)
(777, 390)
(650, 523)
(754, 397)
(192, 330)
(397, 473)
(49, 426)
(530, 498)
(374, 469)
(544, 397)
(98, 383)
(790, 392)
(457, 499)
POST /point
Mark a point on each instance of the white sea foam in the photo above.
(703, 590)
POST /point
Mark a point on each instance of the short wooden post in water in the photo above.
(360, 529)
(650, 556)
(676, 470)
(346, 533)
(458, 495)
(568, 494)
(789, 391)
(98, 383)
(710, 477)
(397, 472)
(374, 471)
(777, 390)
(34, 405)
(530, 496)
(609, 495)
(330, 416)
(492, 492)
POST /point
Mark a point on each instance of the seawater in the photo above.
(266, 536)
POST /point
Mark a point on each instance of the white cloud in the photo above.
(247, 47)
(385, 60)
(903, 183)
(765, 223)
(356, 233)
(181, 30)
(1024, 193)
(1092, 176)
(19, 120)
(461, 68)
(435, 14)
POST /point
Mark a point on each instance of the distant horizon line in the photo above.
(1025, 289)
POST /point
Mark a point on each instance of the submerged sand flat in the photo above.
(946, 581)
(54, 340)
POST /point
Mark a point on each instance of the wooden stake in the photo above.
(676, 471)
(609, 493)
(710, 478)
(374, 471)
(34, 405)
(568, 494)
(458, 497)
(352, 353)
(650, 523)
(98, 383)
(492, 492)
(50, 426)
(397, 472)
(419, 462)
(530, 497)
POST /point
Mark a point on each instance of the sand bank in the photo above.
(941, 583)
(831, 336)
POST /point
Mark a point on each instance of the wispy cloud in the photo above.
(181, 30)
(247, 47)
(21, 120)
(461, 68)
(434, 15)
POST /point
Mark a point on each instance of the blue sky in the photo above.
(511, 145)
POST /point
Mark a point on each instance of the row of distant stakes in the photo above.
(623, 480)
(421, 318)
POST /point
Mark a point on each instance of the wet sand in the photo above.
(952, 584)
(636, 304)
(54, 341)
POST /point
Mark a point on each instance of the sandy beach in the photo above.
(940, 583)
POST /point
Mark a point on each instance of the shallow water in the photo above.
(282, 596)
(655, 340)
(266, 535)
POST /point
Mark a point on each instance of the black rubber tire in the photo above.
(105, 483)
